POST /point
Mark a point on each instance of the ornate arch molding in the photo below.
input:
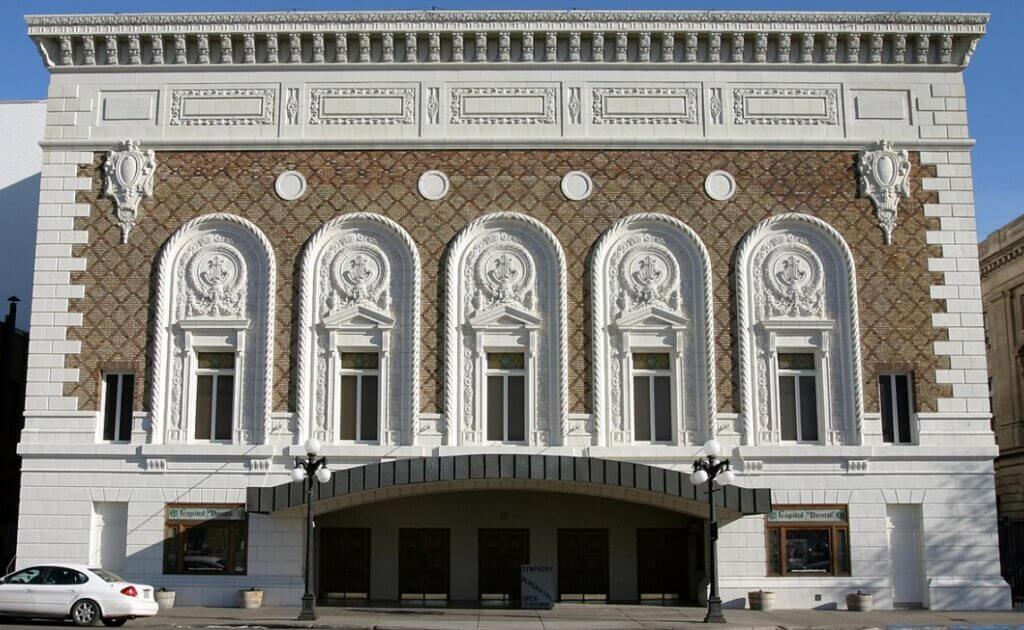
(387, 242)
(845, 299)
(259, 308)
(523, 237)
(671, 238)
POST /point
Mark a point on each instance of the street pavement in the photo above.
(562, 617)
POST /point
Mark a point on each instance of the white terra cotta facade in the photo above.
(912, 522)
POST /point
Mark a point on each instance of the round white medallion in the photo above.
(577, 185)
(433, 185)
(720, 185)
(290, 185)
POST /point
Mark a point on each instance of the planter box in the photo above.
(164, 599)
(761, 600)
(250, 599)
(858, 601)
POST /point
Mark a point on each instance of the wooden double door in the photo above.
(663, 565)
(345, 563)
(501, 554)
(583, 565)
(423, 564)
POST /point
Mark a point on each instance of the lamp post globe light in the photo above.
(305, 470)
(706, 470)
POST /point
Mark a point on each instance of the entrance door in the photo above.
(662, 565)
(423, 564)
(583, 564)
(904, 525)
(501, 553)
(345, 562)
(109, 535)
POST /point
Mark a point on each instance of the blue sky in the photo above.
(995, 90)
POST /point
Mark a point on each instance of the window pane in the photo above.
(506, 361)
(348, 406)
(662, 409)
(495, 408)
(110, 407)
(774, 566)
(903, 406)
(808, 551)
(843, 551)
(204, 405)
(206, 549)
(787, 406)
(808, 408)
(360, 360)
(650, 360)
(217, 360)
(127, 393)
(368, 404)
(225, 405)
(885, 394)
(642, 408)
(517, 409)
(796, 361)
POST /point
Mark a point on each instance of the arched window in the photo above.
(505, 333)
(653, 333)
(799, 339)
(358, 349)
(214, 333)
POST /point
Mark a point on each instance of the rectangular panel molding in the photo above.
(362, 106)
(503, 105)
(217, 107)
(785, 106)
(645, 105)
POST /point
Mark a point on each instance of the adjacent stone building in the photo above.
(512, 270)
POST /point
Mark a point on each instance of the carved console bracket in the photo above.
(884, 178)
(129, 178)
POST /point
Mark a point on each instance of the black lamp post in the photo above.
(305, 470)
(707, 470)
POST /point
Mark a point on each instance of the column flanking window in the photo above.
(360, 388)
(894, 393)
(215, 395)
(798, 397)
(506, 397)
(118, 393)
(652, 397)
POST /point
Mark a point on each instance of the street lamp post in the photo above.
(706, 470)
(305, 470)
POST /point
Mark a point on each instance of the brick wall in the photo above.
(896, 300)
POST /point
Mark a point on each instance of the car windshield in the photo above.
(107, 576)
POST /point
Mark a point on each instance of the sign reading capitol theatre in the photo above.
(511, 305)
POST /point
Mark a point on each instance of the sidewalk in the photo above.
(566, 616)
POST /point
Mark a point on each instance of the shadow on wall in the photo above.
(19, 203)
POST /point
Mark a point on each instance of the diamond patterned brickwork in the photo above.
(895, 306)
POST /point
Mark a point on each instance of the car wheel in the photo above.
(114, 623)
(85, 612)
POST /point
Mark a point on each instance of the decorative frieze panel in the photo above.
(503, 105)
(220, 107)
(645, 105)
(785, 106)
(362, 106)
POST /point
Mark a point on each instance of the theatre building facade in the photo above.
(512, 270)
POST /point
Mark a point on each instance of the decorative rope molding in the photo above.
(744, 302)
(319, 37)
(451, 318)
(598, 308)
(304, 327)
(164, 276)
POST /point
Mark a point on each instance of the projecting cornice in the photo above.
(937, 39)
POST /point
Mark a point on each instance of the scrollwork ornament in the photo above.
(884, 178)
(129, 179)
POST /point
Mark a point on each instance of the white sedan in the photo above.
(87, 596)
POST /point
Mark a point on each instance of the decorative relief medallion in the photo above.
(720, 185)
(433, 185)
(215, 279)
(785, 106)
(219, 107)
(503, 105)
(290, 185)
(577, 185)
(789, 279)
(358, 274)
(884, 178)
(362, 106)
(129, 178)
(503, 274)
(645, 105)
(644, 272)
